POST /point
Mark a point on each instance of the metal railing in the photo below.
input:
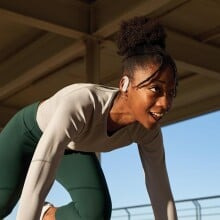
(203, 208)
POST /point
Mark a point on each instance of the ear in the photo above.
(124, 83)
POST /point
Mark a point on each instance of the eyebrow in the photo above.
(161, 81)
(149, 78)
(154, 74)
(149, 81)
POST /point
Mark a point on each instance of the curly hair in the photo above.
(141, 41)
(139, 32)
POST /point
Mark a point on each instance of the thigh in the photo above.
(80, 169)
(82, 176)
(13, 165)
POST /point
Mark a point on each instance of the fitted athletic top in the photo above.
(76, 118)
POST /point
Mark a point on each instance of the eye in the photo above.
(156, 89)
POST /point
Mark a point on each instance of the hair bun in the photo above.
(139, 32)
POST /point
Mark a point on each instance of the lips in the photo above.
(157, 116)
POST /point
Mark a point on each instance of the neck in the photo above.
(119, 115)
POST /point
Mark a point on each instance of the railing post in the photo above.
(198, 209)
(129, 214)
(196, 202)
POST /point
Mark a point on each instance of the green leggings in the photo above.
(79, 173)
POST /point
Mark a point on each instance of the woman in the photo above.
(58, 137)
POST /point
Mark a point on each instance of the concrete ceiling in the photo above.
(45, 45)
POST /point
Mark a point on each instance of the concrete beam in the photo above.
(38, 50)
(105, 19)
(92, 61)
(195, 109)
(43, 68)
(194, 54)
(61, 17)
(198, 69)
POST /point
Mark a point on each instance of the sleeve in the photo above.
(157, 182)
(48, 153)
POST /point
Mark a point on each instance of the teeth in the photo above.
(157, 115)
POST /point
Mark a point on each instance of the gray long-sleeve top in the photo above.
(76, 118)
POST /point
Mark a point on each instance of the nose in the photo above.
(165, 102)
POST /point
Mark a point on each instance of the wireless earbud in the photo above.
(125, 83)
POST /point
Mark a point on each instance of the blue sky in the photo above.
(192, 154)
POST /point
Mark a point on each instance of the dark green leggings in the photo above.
(79, 173)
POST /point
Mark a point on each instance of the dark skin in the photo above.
(146, 104)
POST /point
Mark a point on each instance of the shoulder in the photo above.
(150, 142)
(85, 96)
(146, 137)
(83, 91)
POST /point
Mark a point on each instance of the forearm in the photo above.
(45, 161)
(160, 194)
(171, 211)
(38, 182)
(157, 182)
(165, 210)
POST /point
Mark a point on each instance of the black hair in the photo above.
(141, 41)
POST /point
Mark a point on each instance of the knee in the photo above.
(98, 206)
(96, 212)
(91, 209)
(101, 211)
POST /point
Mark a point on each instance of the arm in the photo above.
(43, 166)
(153, 161)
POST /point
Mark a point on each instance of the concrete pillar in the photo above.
(92, 64)
(92, 60)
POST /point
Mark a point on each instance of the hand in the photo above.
(50, 214)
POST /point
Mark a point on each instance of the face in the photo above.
(150, 101)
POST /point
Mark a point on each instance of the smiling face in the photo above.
(148, 102)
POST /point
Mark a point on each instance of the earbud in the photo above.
(125, 83)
